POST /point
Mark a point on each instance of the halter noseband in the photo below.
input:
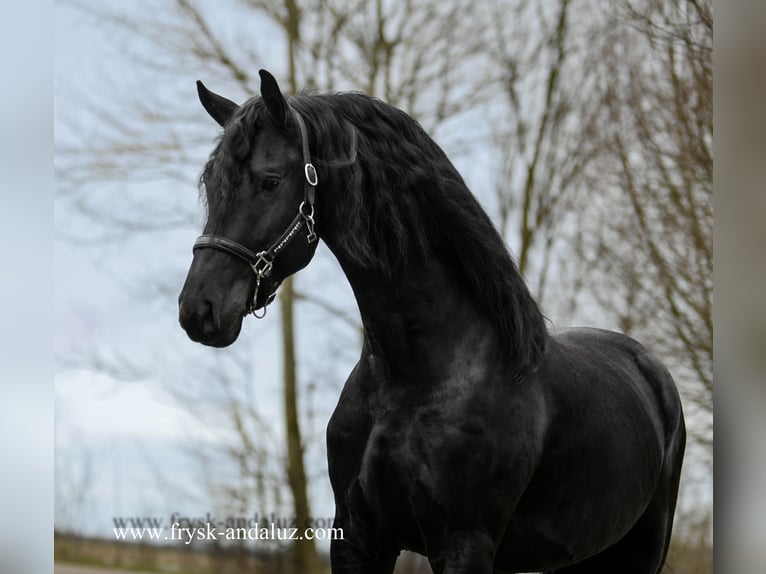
(262, 262)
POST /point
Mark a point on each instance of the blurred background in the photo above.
(584, 128)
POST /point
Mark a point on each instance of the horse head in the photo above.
(259, 187)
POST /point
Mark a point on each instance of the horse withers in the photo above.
(466, 432)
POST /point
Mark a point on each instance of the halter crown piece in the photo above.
(262, 262)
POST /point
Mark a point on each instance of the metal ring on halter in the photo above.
(311, 174)
(268, 302)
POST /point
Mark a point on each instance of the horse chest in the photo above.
(408, 462)
(401, 475)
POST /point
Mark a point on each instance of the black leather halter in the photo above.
(262, 262)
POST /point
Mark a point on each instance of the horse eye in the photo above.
(269, 184)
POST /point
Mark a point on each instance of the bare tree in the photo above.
(653, 260)
(74, 470)
(542, 134)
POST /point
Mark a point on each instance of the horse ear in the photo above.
(219, 108)
(272, 96)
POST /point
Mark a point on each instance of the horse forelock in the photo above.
(222, 175)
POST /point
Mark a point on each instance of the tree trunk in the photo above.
(305, 558)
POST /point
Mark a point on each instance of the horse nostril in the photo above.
(207, 317)
(199, 320)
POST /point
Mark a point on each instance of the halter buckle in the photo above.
(262, 266)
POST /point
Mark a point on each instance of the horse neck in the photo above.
(421, 323)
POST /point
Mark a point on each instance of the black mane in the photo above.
(403, 200)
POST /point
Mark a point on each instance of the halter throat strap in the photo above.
(262, 262)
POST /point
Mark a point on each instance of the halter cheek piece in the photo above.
(262, 262)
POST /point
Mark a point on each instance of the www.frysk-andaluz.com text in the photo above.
(189, 529)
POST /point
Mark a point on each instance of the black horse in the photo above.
(465, 432)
